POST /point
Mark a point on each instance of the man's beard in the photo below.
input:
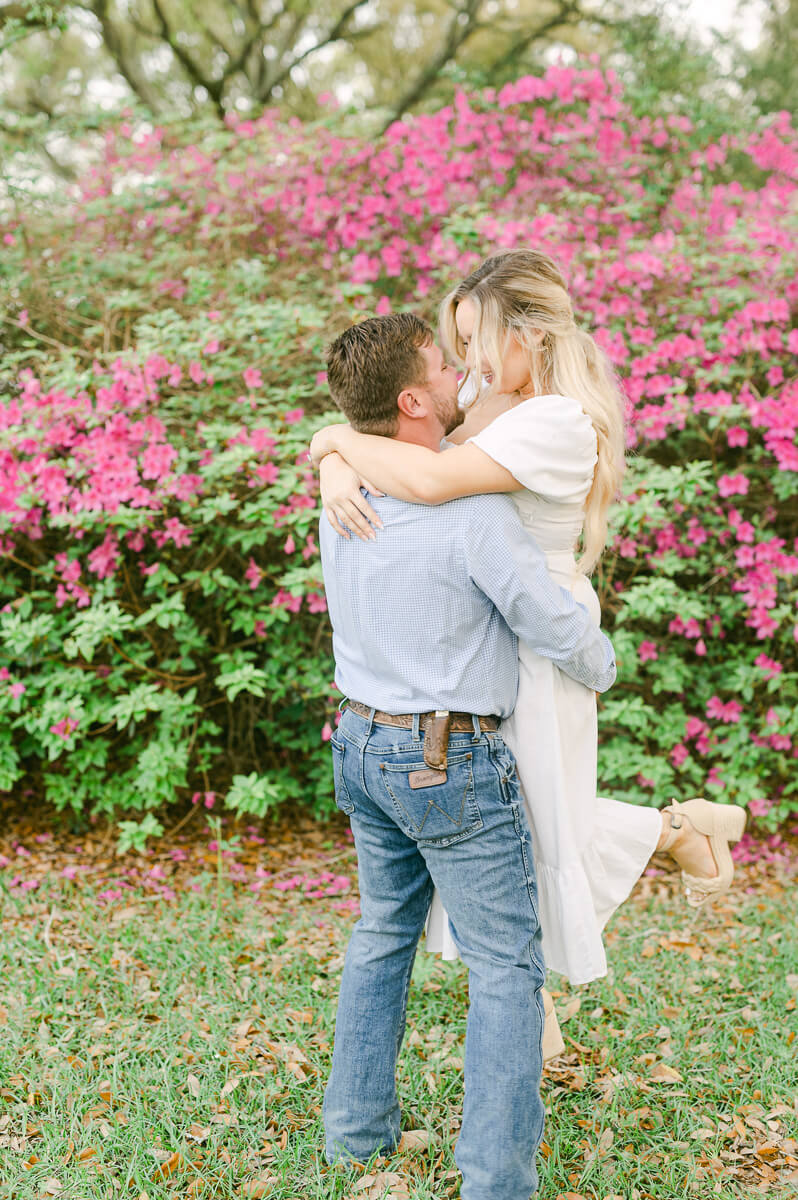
(449, 414)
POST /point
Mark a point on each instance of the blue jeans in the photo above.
(468, 837)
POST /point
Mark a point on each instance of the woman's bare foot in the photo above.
(690, 849)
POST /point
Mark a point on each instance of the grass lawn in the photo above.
(174, 1041)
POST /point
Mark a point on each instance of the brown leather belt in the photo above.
(460, 722)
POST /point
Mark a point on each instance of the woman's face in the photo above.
(513, 373)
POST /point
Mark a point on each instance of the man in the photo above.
(425, 620)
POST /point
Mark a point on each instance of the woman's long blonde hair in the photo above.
(518, 294)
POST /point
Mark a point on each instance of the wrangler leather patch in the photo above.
(424, 779)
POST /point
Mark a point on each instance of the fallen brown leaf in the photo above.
(414, 1139)
(168, 1168)
(254, 1188)
(662, 1073)
(379, 1185)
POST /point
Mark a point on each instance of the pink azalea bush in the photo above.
(163, 624)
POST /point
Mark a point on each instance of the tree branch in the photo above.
(518, 49)
(457, 33)
(115, 46)
(338, 31)
(214, 87)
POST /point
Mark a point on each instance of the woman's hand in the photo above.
(343, 501)
(323, 443)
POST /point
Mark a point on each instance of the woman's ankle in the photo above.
(671, 835)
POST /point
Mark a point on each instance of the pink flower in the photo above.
(64, 728)
(733, 485)
(284, 599)
(157, 459)
(104, 558)
(267, 473)
(678, 754)
(290, 545)
(383, 306)
(17, 690)
(768, 666)
(253, 573)
(737, 436)
(295, 415)
(647, 651)
(179, 533)
(211, 347)
(729, 713)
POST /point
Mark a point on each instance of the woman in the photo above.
(549, 430)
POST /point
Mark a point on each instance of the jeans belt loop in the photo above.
(372, 711)
(477, 729)
(416, 727)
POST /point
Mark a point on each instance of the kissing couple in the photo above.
(467, 646)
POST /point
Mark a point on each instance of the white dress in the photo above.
(589, 850)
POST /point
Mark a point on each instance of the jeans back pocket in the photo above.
(435, 808)
(342, 798)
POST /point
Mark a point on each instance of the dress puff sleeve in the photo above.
(548, 443)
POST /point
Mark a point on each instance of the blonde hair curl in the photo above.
(520, 294)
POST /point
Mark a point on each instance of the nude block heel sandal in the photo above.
(552, 1038)
(722, 824)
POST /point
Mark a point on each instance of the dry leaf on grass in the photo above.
(194, 1085)
(255, 1188)
(414, 1139)
(570, 1009)
(605, 1141)
(168, 1168)
(662, 1073)
(380, 1184)
(52, 1187)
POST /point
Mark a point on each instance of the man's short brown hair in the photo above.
(371, 363)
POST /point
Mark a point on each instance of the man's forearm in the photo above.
(511, 569)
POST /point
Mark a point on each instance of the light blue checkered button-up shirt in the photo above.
(427, 615)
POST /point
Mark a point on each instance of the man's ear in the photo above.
(410, 404)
